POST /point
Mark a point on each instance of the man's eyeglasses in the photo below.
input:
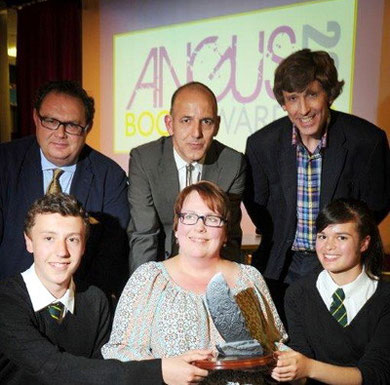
(208, 220)
(69, 127)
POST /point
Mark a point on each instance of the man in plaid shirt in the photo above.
(299, 163)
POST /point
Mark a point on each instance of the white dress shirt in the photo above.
(41, 297)
(357, 292)
(181, 169)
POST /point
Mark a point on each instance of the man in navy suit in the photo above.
(301, 162)
(63, 116)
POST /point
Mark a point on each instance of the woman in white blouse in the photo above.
(162, 310)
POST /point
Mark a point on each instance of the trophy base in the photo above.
(236, 363)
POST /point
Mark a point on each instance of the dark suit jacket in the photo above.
(356, 164)
(101, 187)
(154, 186)
(34, 349)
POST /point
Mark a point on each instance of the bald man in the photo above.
(159, 170)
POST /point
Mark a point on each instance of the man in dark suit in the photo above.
(160, 169)
(300, 163)
(51, 329)
(63, 116)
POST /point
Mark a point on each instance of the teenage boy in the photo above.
(51, 330)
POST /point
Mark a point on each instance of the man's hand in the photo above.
(179, 371)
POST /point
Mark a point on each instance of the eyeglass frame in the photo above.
(65, 124)
(223, 221)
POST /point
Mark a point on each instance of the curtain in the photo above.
(5, 108)
(48, 48)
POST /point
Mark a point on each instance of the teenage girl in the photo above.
(339, 319)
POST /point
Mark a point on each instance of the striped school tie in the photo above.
(56, 311)
(337, 307)
(54, 186)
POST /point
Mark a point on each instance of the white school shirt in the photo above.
(41, 297)
(357, 292)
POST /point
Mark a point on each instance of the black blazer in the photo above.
(356, 164)
(101, 187)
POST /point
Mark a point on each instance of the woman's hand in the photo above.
(179, 371)
(290, 365)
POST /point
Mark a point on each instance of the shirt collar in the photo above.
(356, 286)
(296, 139)
(41, 297)
(180, 162)
(47, 165)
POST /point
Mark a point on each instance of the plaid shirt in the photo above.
(309, 168)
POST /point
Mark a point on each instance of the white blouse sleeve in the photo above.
(130, 336)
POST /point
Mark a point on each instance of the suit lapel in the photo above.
(210, 170)
(82, 180)
(168, 175)
(332, 161)
(288, 168)
(31, 176)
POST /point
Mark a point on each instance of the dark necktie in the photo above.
(54, 186)
(337, 307)
(56, 311)
(189, 169)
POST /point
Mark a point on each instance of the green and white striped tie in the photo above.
(56, 311)
(337, 307)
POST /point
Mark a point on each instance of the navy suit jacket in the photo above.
(99, 184)
(355, 164)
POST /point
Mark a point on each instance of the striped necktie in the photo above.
(54, 186)
(189, 169)
(56, 311)
(337, 307)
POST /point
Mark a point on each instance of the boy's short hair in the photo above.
(61, 203)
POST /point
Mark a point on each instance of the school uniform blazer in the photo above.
(355, 164)
(99, 184)
(154, 186)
